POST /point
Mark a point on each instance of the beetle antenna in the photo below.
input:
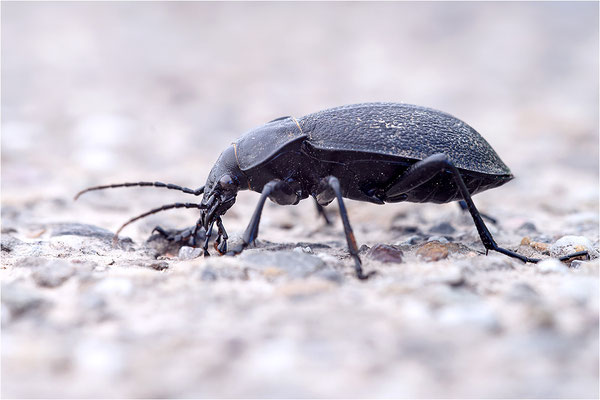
(196, 192)
(157, 210)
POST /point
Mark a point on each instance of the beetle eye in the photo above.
(227, 183)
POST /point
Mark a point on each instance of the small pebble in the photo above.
(189, 253)
(539, 246)
(432, 251)
(158, 265)
(385, 253)
(301, 249)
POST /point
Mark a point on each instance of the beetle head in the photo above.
(223, 183)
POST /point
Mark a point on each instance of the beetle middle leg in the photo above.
(464, 208)
(332, 183)
(423, 171)
(322, 213)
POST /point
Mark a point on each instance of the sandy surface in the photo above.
(103, 93)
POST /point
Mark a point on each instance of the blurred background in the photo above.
(104, 92)
(96, 92)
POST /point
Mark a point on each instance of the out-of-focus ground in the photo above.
(98, 93)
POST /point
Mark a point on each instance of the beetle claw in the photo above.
(364, 277)
(221, 247)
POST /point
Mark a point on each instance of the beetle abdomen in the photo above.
(401, 130)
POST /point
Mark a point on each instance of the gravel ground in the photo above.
(97, 93)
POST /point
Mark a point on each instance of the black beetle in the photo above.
(374, 152)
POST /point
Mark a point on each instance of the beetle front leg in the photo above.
(208, 235)
(333, 183)
(281, 193)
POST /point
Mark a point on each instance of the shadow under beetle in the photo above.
(374, 152)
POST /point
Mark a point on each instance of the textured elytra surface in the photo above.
(402, 130)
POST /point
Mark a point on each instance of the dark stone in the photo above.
(385, 253)
(526, 228)
(443, 228)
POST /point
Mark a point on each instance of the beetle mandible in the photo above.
(374, 152)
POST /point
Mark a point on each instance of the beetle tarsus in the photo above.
(208, 235)
(574, 255)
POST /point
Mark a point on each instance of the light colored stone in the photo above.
(189, 253)
(572, 244)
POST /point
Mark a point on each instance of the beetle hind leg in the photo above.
(424, 170)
